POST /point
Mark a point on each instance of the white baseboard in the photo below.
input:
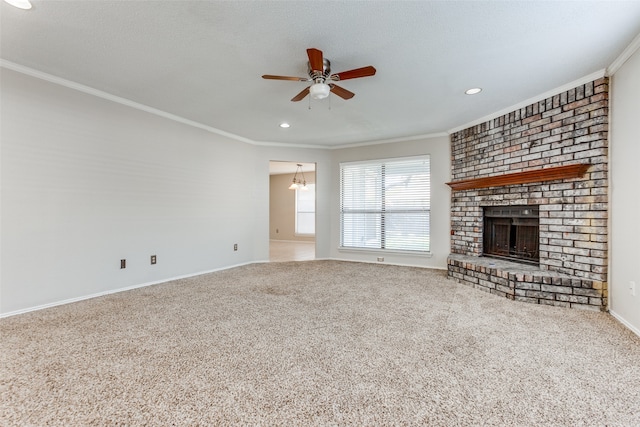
(113, 291)
(385, 263)
(292, 241)
(624, 322)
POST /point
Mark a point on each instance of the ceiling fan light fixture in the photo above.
(20, 4)
(319, 90)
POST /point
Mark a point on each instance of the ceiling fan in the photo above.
(321, 78)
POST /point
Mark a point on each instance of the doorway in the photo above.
(292, 211)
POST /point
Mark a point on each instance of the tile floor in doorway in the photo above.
(291, 251)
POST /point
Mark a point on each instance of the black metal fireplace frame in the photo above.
(512, 233)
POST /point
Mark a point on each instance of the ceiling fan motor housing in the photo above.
(317, 75)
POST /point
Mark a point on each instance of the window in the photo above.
(306, 210)
(385, 204)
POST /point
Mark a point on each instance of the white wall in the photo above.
(86, 182)
(625, 193)
(439, 150)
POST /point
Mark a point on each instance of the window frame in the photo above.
(384, 210)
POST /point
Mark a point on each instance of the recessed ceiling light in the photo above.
(20, 4)
(284, 125)
(473, 91)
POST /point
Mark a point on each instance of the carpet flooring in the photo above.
(317, 343)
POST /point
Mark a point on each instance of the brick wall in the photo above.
(568, 128)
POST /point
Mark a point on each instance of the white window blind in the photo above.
(306, 210)
(385, 204)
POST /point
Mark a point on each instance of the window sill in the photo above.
(386, 251)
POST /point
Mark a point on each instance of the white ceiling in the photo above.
(203, 60)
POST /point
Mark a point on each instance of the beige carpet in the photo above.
(316, 343)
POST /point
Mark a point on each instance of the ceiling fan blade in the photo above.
(354, 74)
(296, 79)
(315, 59)
(301, 95)
(342, 92)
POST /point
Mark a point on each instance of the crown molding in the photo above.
(287, 145)
(583, 80)
(390, 141)
(138, 106)
(117, 99)
(353, 145)
(630, 50)
(624, 56)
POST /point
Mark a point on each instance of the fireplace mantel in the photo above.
(535, 175)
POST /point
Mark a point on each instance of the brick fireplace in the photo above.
(550, 156)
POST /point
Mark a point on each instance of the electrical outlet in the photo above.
(632, 287)
(153, 259)
(235, 246)
(380, 259)
(123, 263)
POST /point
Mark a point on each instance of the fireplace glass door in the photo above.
(512, 232)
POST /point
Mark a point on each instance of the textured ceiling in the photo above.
(202, 61)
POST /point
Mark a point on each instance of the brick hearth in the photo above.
(565, 129)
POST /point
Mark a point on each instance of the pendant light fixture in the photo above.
(299, 184)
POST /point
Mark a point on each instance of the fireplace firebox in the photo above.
(512, 232)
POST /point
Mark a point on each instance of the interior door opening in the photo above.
(292, 207)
